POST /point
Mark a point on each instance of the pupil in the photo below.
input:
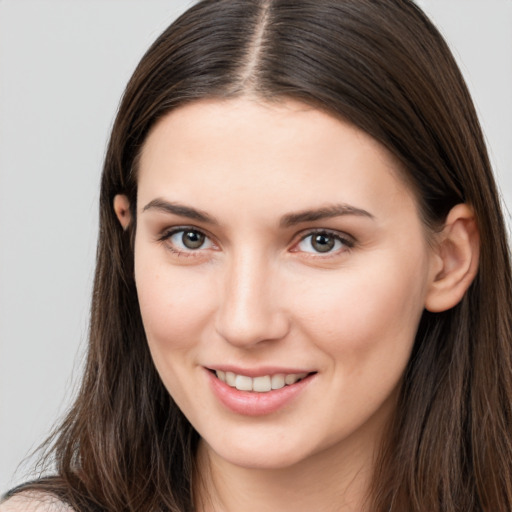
(322, 243)
(192, 239)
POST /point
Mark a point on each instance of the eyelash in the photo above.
(188, 252)
(347, 242)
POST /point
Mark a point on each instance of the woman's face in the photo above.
(277, 247)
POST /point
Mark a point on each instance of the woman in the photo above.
(302, 295)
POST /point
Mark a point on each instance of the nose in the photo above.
(250, 311)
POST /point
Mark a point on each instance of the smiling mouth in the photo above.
(262, 384)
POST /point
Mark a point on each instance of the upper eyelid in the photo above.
(167, 232)
(338, 234)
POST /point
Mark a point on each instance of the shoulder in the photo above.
(34, 502)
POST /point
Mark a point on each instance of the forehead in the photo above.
(285, 153)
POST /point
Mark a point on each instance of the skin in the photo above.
(258, 293)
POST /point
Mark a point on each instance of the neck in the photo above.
(334, 480)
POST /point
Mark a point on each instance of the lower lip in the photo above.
(252, 403)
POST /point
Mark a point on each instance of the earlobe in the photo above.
(455, 263)
(122, 209)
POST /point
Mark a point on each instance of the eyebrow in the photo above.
(179, 209)
(327, 212)
(288, 220)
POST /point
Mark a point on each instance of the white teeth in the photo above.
(230, 379)
(243, 383)
(289, 379)
(278, 381)
(261, 384)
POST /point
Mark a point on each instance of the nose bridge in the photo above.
(249, 309)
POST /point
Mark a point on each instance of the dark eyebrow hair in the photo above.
(327, 212)
(179, 209)
(288, 220)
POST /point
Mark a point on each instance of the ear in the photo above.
(455, 262)
(122, 209)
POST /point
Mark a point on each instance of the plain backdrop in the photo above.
(63, 67)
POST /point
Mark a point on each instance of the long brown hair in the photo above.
(381, 65)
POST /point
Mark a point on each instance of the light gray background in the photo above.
(63, 66)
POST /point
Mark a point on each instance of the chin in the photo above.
(265, 461)
(260, 456)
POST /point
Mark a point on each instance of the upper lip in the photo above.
(258, 371)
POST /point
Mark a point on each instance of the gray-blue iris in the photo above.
(192, 239)
(322, 242)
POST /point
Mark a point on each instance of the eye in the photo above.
(323, 242)
(187, 240)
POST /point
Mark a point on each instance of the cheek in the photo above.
(174, 308)
(373, 309)
(175, 305)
